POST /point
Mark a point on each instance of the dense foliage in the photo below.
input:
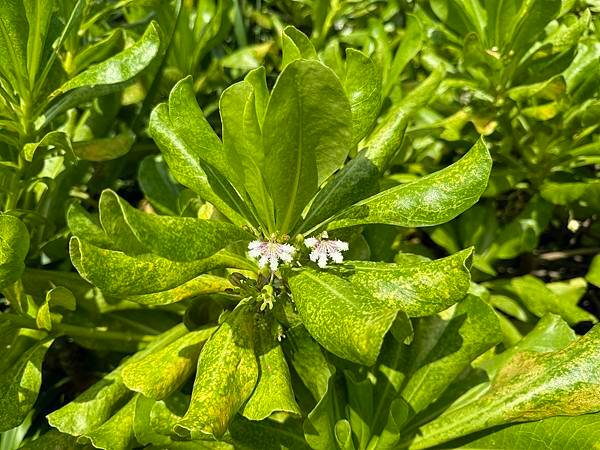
(326, 224)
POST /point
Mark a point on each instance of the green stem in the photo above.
(77, 331)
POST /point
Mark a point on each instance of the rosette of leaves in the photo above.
(525, 74)
(280, 173)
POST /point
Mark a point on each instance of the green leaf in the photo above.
(307, 358)
(273, 390)
(473, 329)
(431, 200)
(21, 380)
(257, 78)
(540, 300)
(295, 45)
(104, 149)
(306, 135)
(161, 373)
(201, 285)
(56, 139)
(176, 238)
(98, 403)
(418, 289)
(362, 84)
(553, 433)
(14, 246)
(39, 14)
(99, 51)
(242, 141)
(357, 180)
(118, 274)
(409, 47)
(116, 432)
(13, 43)
(531, 386)
(343, 318)
(522, 234)
(184, 160)
(319, 427)
(158, 186)
(83, 224)
(386, 139)
(120, 68)
(593, 274)
(226, 376)
(266, 434)
(56, 297)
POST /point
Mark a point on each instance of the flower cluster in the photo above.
(323, 249)
(271, 252)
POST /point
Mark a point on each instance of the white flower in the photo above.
(324, 249)
(271, 252)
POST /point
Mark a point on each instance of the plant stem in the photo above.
(77, 331)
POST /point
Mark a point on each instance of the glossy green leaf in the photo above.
(13, 42)
(363, 88)
(522, 234)
(120, 68)
(273, 392)
(295, 45)
(306, 135)
(104, 149)
(158, 186)
(116, 432)
(266, 434)
(83, 224)
(306, 356)
(357, 180)
(473, 329)
(257, 78)
(116, 273)
(183, 159)
(14, 246)
(98, 403)
(409, 47)
(226, 376)
(319, 427)
(56, 139)
(531, 386)
(21, 379)
(418, 289)
(384, 142)
(343, 318)
(99, 51)
(242, 141)
(161, 373)
(553, 433)
(176, 238)
(201, 285)
(56, 297)
(540, 300)
(431, 200)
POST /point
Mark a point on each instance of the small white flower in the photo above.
(271, 252)
(324, 249)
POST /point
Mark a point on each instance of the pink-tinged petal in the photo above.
(311, 242)
(255, 245)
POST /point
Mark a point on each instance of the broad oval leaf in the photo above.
(120, 68)
(530, 386)
(431, 200)
(418, 289)
(177, 238)
(363, 88)
(306, 135)
(273, 390)
(343, 318)
(226, 376)
(118, 274)
(161, 373)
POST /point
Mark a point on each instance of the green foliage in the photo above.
(299, 224)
